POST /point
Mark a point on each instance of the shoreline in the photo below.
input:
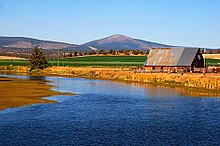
(206, 84)
(195, 85)
(23, 92)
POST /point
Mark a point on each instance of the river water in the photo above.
(112, 113)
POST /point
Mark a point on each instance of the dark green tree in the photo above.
(102, 52)
(75, 53)
(112, 52)
(141, 52)
(38, 59)
(135, 52)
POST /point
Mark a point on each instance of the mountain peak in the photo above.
(118, 36)
(114, 38)
(118, 41)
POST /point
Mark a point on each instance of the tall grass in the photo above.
(208, 81)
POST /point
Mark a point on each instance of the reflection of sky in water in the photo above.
(42, 78)
(113, 113)
(107, 87)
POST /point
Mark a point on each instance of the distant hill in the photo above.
(121, 42)
(114, 42)
(24, 43)
(212, 51)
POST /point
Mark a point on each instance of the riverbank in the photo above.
(193, 84)
(22, 92)
(206, 84)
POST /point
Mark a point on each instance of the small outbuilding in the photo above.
(174, 59)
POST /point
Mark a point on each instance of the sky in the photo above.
(193, 23)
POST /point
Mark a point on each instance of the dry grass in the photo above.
(207, 85)
(211, 56)
(209, 81)
(20, 92)
(11, 58)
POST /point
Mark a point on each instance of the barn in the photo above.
(174, 59)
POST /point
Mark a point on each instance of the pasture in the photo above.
(212, 62)
(102, 61)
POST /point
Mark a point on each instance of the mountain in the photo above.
(115, 42)
(24, 43)
(120, 42)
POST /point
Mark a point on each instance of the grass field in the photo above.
(108, 61)
(212, 62)
(13, 62)
(102, 61)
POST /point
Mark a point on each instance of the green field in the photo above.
(113, 61)
(212, 62)
(13, 62)
(101, 61)
(107, 59)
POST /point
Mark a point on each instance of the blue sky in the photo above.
(194, 23)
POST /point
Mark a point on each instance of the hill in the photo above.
(114, 42)
(122, 42)
(25, 43)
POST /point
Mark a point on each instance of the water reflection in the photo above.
(160, 91)
(113, 113)
(154, 91)
(40, 78)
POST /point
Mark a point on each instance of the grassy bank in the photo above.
(208, 83)
(21, 92)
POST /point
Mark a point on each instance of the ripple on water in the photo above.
(111, 113)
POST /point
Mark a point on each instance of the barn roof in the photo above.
(171, 56)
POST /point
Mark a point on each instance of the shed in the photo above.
(174, 59)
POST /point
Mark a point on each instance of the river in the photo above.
(112, 113)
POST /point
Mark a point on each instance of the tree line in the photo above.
(106, 52)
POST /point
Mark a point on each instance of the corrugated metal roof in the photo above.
(171, 56)
(187, 57)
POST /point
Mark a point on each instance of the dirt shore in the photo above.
(21, 92)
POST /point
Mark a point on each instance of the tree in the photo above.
(126, 52)
(38, 59)
(135, 52)
(102, 52)
(141, 52)
(75, 53)
(147, 51)
(70, 54)
(91, 52)
(112, 52)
